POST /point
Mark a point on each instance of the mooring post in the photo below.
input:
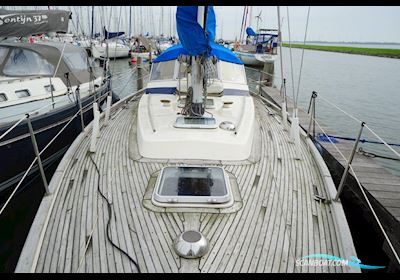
(139, 78)
(108, 108)
(346, 171)
(95, 128)
(78, 97)
(36, 150)
(295, 133)
(311, 111)
(284, 109)
(51, 92)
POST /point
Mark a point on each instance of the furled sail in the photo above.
(24, 23)
(193, 37)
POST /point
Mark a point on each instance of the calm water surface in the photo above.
(367, 87)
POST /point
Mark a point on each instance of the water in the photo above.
(367, 87)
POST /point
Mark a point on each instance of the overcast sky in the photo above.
(376, 24)
(338, 23)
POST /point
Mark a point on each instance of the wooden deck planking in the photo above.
(262, 236)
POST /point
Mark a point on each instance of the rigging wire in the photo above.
(280, 48)
(291, 62)
(302, 57)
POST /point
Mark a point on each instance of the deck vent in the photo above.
(226, 125)
(191, 244)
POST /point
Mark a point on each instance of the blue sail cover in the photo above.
(219, 51)
(110, 35)
(250, 31)
(191, 34)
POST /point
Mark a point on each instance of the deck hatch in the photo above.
(195, 122)
(192, 185)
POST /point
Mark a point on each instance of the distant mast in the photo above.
(91, 31)
(130, 21)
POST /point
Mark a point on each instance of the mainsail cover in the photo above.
(24, 23)
(110, 35)
(191, 33)
(219, 51)
(250, 31)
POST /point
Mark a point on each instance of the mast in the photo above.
(250, 15)
(130, 20)
(91, 31)
(197, 107)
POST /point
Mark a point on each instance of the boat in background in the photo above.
(191, 174)
(260, 48)
(44, 84)
(112, 46)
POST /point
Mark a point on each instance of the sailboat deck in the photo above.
(279, 220)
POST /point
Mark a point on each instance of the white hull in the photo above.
(144, 55)
(99, 51)
(255, 59)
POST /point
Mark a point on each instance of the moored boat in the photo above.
(191, 174)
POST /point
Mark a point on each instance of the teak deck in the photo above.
(380, 183)
(278, 222)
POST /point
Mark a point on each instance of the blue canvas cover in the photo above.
(110, 35)
(191, 34)
(250, 31)
(219, 51)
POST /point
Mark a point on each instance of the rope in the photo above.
(302, 57)
(384, 142)
(354, 118)
(373, 155)
(343, 111)
(109, 217)
(361, 140)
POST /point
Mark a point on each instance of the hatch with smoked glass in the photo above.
(192, 184)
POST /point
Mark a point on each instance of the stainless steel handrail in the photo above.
(39, 153)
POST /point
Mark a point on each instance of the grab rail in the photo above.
(36, 150)
(38, 153)
(349, 160)
(348, 168)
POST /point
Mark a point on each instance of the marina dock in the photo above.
(383, 187)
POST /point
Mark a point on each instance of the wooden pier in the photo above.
(383, 188)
